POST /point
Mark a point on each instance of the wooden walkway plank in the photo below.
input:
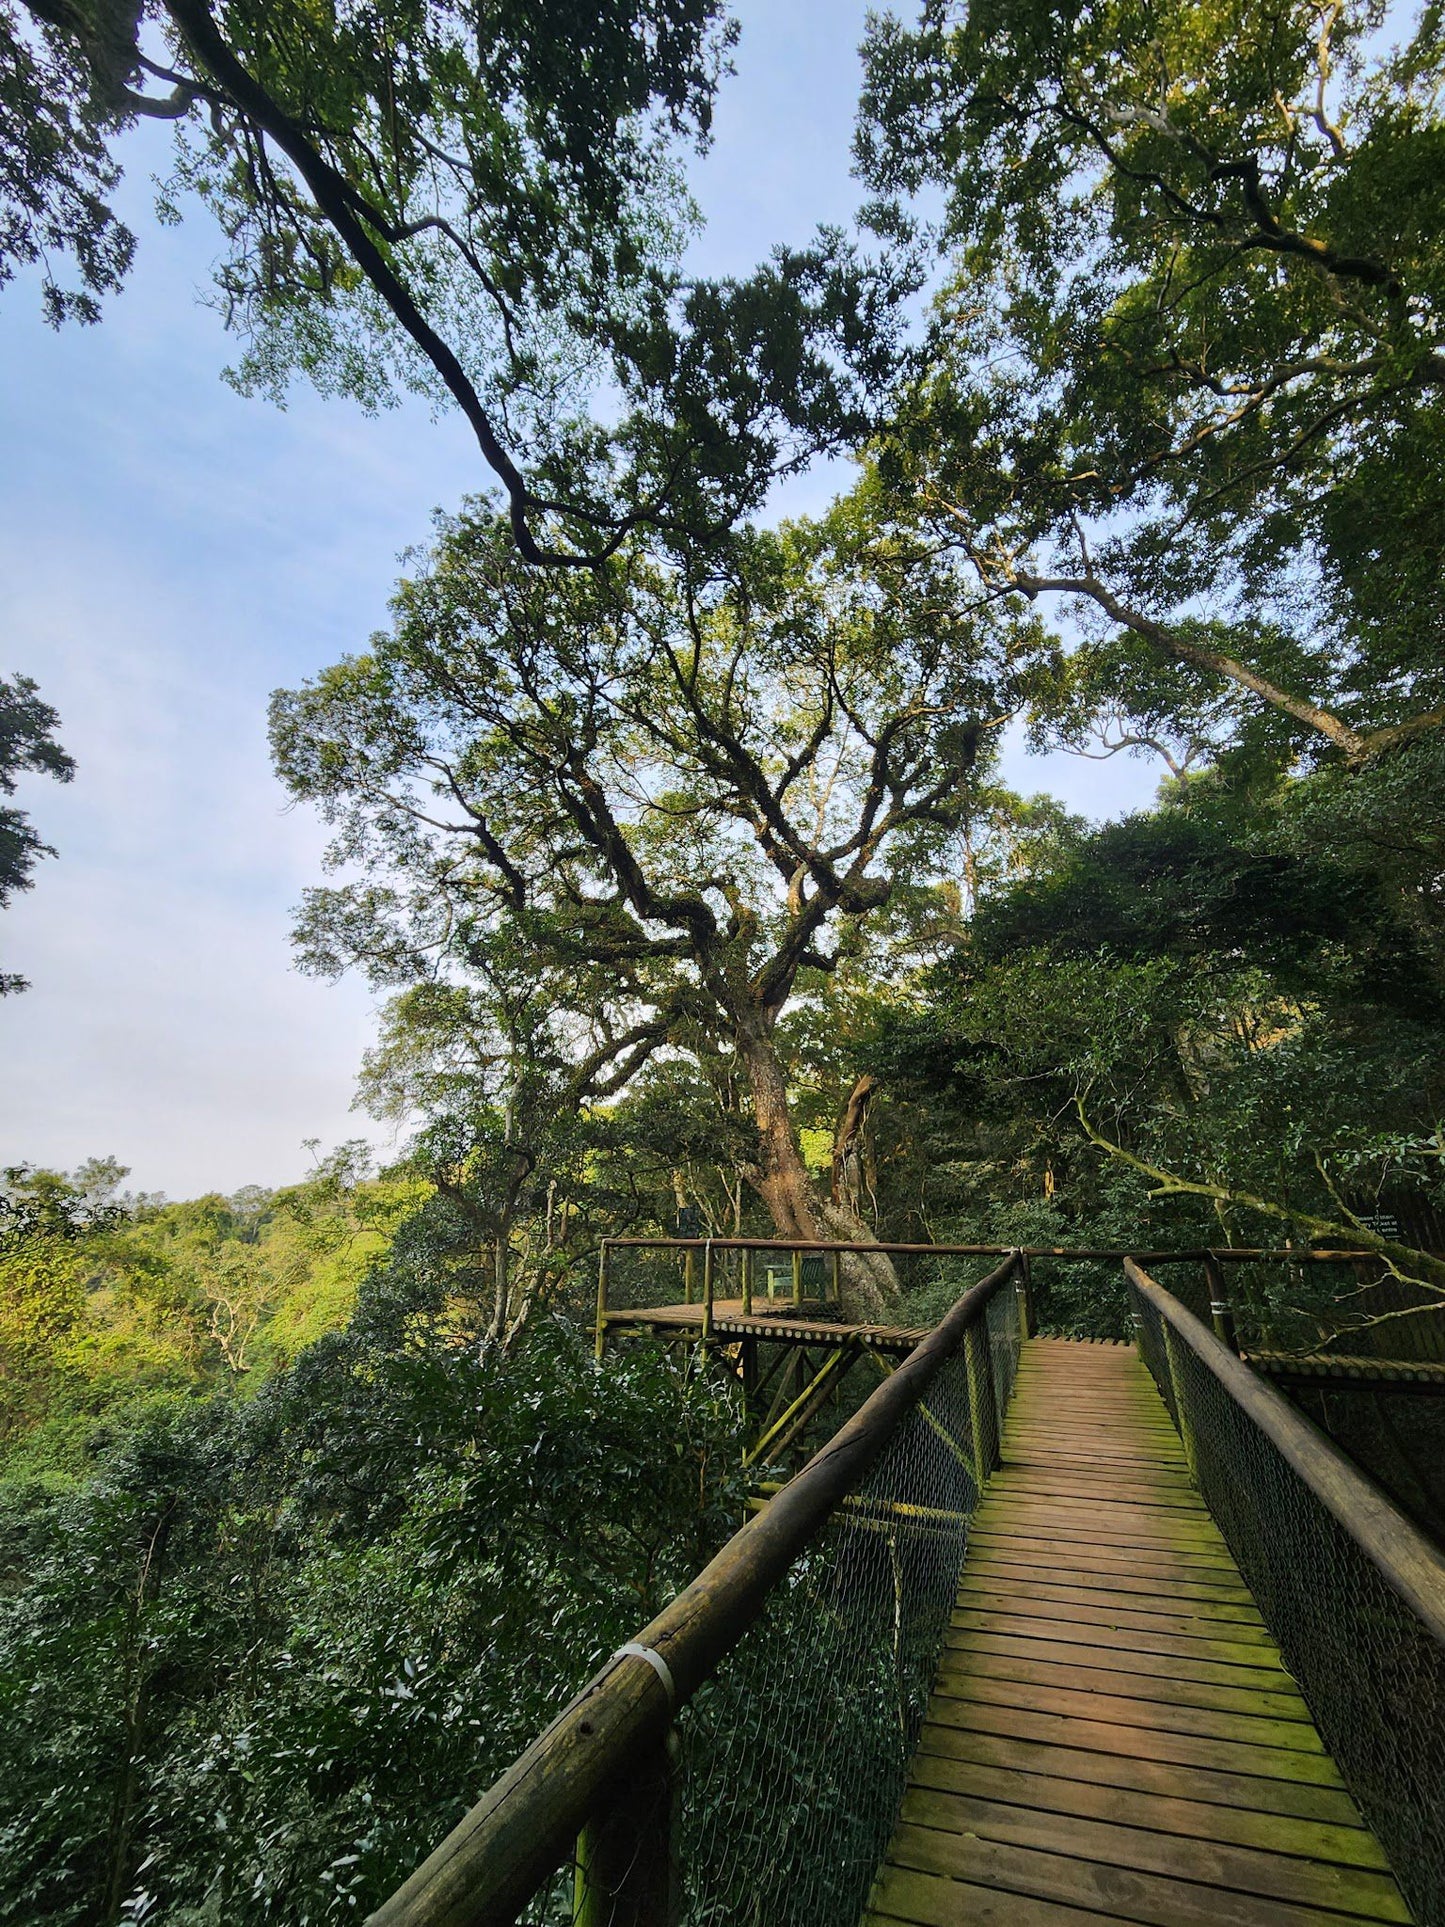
(1175, 1811)
(926, 1900)
(1022, 1562)
(1115, 1727)
(1263, 1679)
(1128, 1632)
(1119, 1893)
(1067, 1754)
(1093, 1702)
(1106, 1552)
(1112, 1734)
(1149, 1612)
(1177, 1856)
(1075, 1670)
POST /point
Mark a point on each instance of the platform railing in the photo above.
(700, 1273)
(1353, 1593)
(742, 1760)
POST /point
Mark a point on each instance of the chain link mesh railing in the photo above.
(1370, 1665)
(797, 1722)
(794, 1755)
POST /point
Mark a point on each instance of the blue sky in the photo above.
(169, 554)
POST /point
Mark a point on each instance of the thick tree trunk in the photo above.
(848, 1145)
(786, 1186)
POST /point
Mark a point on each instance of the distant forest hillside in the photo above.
(108, 1299)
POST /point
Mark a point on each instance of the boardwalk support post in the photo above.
(601, 1338)
(626, 1871)
(1024, 1287)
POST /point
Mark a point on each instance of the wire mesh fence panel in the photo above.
(642, 1278)
(795, 1754)
(555, 1904)
(1370, 1669)
(1004, 1317)
(1149, 1333)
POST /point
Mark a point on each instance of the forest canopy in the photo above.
(677, 838)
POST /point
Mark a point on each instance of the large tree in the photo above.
(480, 202)
(1187, 363)
(677, 796)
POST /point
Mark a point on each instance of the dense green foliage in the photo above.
(1187, 357)
(689, 874)
(1190, 1027)
(481, 203)
(27, 743)
(106, 1300)
(264, 1652)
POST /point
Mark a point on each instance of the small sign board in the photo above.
(1384, 1224)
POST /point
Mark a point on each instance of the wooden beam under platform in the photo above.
(1333, 1371)
(808, 1326)
(801, 1386)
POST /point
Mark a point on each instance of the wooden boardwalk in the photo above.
(1112, 1736)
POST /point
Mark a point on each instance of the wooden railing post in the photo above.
(600, 1341)
(707, 1284)
(689, 1274)
(1221, 1314)
(626, 1872)
(1024, 1287)
(747, 1283)
(797, 1281)
(838, 1279)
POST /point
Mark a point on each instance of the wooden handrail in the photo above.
(1114, 1254)
(520, 1831)
(1404, 1557)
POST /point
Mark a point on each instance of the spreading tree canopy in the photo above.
(480, 202)
(1188, 361)
(657, 802)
